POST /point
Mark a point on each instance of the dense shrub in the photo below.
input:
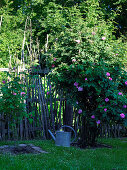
(12, 96)
(86, 62)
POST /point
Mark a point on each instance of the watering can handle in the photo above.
(71, 129)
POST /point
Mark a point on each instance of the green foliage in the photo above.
(84, 51)
(120, 7)
(11, 33)
(12, 100)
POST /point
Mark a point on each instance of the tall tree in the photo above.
(120, 7)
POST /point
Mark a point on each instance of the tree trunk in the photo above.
(68, 115)
(89, 133)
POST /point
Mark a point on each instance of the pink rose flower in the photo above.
(53, 65)
(14, 94)
(106, 99)
(125, 82)
(98, 122)
(78, 41)
(125, 106)
(107, 74)
(80, 111)
(103, 38)
(47, 92)
(119, 93)
(74, 60)
(23, 93)
(122, 115)
(54, 59)
(110, 78)
(3, 82)
(76, 84)
(93, 33)
(117, 54)
(93, 117)
(80, 89)
(86, 78)
(105, 109)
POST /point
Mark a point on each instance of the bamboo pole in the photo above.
(45, 109)
(40, 119)
(21, 129)
(8, 129)
(42, 113)
(1, 18)
(28, 96)
(26, 129)
(118, 130)
(37, 116)
(44, 101)
(3, 127)
(9, 64)
(108, 130)
(33, 105)
(31, 41)
(51, 110)
(46, 45)
(59, 116)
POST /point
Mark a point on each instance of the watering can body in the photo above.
(63, 138)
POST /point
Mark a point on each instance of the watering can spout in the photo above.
(52, 135)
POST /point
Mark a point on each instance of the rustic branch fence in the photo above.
(48, 111)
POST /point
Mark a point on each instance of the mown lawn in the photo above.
(69, 158)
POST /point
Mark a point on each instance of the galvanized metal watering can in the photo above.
(63, 138)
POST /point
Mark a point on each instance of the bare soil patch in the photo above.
(21, 149)
(97, 145)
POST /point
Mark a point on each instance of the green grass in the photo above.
(72, 158)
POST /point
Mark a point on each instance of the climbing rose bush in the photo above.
(12, 99)
(88, 68)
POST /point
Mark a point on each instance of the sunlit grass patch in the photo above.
(68, 158)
